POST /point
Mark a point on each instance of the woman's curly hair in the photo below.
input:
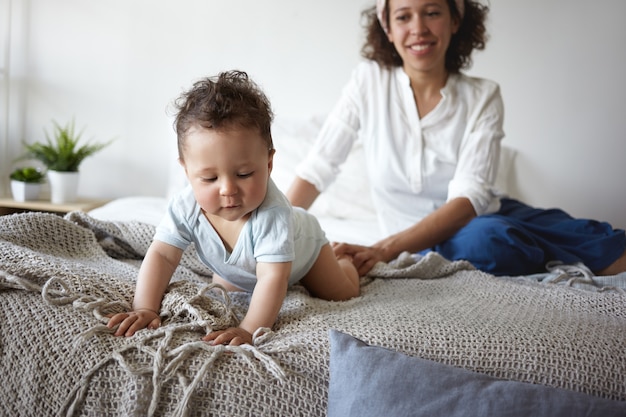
(472, 34)
(229, 99)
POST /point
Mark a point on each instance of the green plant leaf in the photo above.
(60, 151)
(27, 174)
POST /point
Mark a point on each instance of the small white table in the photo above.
(10, 206)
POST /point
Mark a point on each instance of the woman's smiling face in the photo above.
(421, 31)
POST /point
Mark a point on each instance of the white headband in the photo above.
(382, 18)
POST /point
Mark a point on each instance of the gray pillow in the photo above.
(373, 381)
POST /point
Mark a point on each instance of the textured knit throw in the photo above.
(60, 277)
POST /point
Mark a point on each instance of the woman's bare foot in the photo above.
(615, 268)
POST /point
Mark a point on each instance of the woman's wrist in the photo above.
(386, 249)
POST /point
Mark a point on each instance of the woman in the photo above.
(432, 136)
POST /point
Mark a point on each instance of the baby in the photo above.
(243, 227)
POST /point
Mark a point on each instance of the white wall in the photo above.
(116, 65)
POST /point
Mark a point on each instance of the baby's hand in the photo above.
(133, 321)
(233, 336)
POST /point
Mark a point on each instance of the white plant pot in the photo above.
(63, 186)
(25, 191)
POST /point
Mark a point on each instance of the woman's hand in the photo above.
(131, 322)
(233, 336)
(363, 257)
(438, 226)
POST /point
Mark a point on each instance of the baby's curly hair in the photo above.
(229, 99)
(472, 34)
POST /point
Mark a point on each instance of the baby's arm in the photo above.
(267, 299)
(154, 276)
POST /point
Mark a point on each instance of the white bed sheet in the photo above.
(144, 209)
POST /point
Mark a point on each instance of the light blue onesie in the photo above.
(275, 232)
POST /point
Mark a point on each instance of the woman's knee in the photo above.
(494, 245)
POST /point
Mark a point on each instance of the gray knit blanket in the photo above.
(60, 277)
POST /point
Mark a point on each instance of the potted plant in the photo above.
(62, 155)
(25, 183)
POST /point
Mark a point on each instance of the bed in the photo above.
(426, 337)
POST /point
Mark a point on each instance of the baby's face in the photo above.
(228, 170)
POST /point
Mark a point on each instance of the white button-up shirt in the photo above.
(414, 165)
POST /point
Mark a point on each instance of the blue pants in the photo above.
(520, 240)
